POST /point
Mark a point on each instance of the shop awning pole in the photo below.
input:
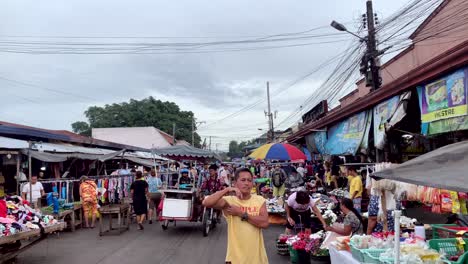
(18, 164)
(397, 215)
(30, 172)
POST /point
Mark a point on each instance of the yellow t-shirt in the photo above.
(245, 242)
(328, 178)
(355, 185)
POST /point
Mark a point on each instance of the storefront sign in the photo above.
(446, 125)
(444, 98)
(315, 113)
(382, 113)
(347, 136)
(444, 103)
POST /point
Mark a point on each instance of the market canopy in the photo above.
(444, 168)
(182, 151)
(61, 157)
(278, 151)
(11, 143)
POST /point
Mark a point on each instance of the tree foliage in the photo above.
(140, 113)
(236, 149)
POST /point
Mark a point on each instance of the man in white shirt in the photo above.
(35, 188)
(224, 175)
(301, 170)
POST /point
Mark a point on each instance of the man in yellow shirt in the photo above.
(246, 216)
(355, 187)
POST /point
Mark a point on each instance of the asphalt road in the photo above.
(183, 243)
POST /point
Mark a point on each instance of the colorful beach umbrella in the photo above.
(278, 151)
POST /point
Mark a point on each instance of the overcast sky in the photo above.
(53, 91)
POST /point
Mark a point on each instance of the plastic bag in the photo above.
(463, 198)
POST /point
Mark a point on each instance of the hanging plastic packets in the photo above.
(455, 202)
(445, 201)
(463, 198)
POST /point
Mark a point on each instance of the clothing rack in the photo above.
(119, 192)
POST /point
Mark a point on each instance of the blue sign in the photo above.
(346, 137)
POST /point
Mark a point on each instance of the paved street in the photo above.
(181, 244)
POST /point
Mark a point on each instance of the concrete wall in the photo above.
(144, 137)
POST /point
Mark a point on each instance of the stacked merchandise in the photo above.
(304, 244)
(275, 206)
(16, 216)
(379, 248)
(339, 193)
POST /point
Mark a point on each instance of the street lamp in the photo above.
(341, 27)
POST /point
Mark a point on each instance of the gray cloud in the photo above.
(212, 85)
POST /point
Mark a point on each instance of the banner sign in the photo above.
(347, 136)
(316, 142)
(382, 113)
(443, 104)
(444, 98)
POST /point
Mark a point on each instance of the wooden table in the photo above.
(122, 211)
(34, 236)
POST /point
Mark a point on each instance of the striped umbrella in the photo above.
(278, 151)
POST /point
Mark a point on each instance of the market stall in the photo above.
(20, 222)
(438, 179)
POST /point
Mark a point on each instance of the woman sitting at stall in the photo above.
(352, 223)
(298, 209)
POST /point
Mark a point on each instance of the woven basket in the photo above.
(282, 248)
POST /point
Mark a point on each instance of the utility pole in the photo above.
(173, 133)
(210, 144)
(373, 54)
(194, 127)
(269, 114)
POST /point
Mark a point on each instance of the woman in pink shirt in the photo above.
(298, 210)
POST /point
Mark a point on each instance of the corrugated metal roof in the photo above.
(11, 143)
(68, 148)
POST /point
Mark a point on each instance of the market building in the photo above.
(144, 137)
(421, 105)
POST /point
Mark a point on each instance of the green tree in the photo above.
(81, 128)
(233, 149)
(140, 113)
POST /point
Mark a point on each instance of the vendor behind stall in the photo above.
(298, 209)
(352, 223)
(355, 187)
(184, 177)
(294, 179)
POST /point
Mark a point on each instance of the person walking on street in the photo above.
(88, 194)
(246, 216)
(139, 190)
(278, 179)
(154, 194)
(35, 189)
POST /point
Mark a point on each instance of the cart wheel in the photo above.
(214, 220)
(165, 225)
(206, 223)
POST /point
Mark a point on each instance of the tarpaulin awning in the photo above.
(11, 143)
(443, 168)
(68, 148)
(182, 151)
(144, 162)
(60, 157)
(145, 155)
